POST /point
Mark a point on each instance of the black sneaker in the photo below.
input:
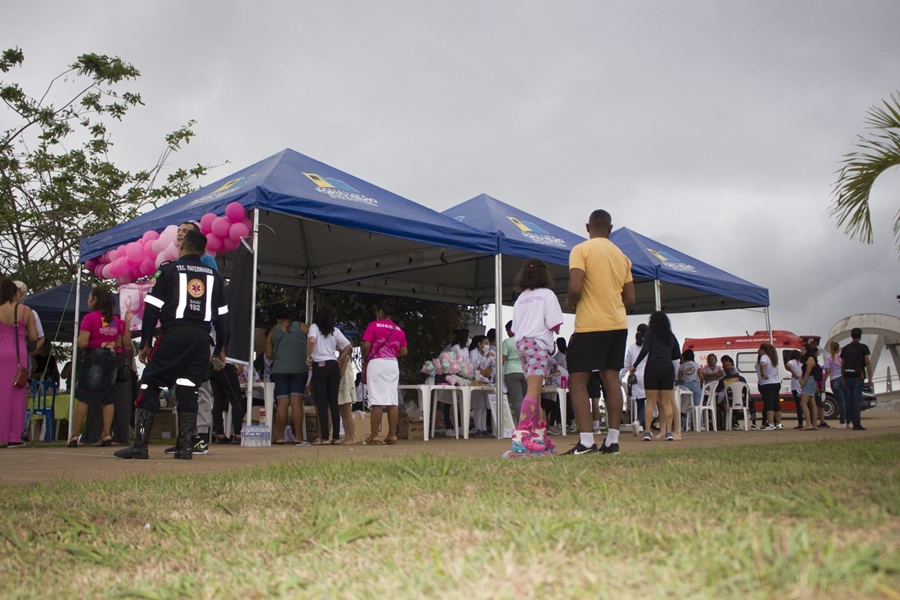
(171, 449)
(824, 425)
(611, 449)
(200, 446)
(858, 428)
(581, 449)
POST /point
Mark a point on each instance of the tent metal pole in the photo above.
(657, 292)
(74, 369)
(498, 324)
(768, 324)
(309, 297)
(249, 416)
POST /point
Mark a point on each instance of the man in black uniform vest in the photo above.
(186, 298)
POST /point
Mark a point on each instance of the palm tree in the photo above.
(876, 154)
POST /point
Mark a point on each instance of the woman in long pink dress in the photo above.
(16, 325)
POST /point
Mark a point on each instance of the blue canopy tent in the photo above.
(319, 227)
(519, 236)
(664, 278)
(670, 280)
(56, 308)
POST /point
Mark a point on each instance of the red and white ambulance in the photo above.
(743, 349)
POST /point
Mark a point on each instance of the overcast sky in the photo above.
(713, 127)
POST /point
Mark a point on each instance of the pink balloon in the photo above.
(105, 271)
(91, 264)
(148, 248)
(123, 279)
(213, 243)
(135, 253)
(206, 222)
(160, 259)
(229, 244)
(157, 246)
(147, 267)
(234, 212)
(113, 255)
(238, 231)
(220, 227)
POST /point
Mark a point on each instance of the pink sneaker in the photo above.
(540, 436)
(523, 441)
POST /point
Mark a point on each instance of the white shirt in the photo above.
(690, 371)
(326, 345)
(535, 315)
(772, 375)
(796, 373)
(637, 390)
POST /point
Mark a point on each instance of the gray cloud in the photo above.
(713, 127)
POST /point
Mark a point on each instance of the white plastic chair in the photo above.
(737, 398)
(686, 404)
(707, 403)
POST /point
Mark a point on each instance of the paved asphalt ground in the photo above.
(28, 465)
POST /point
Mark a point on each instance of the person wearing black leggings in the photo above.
(326, 347)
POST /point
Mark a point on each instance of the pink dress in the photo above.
(12, 399)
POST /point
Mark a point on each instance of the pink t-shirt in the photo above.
(386, 339)
(100, 333)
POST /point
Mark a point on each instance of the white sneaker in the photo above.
(573, 428)
(450, 433)
(636, 428)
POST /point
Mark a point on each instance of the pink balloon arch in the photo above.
(140, 258)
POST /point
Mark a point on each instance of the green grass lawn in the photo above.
(805, 520)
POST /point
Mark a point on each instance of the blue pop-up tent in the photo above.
(684, 283)
(320, 227)
(56, 308)
(519, 236)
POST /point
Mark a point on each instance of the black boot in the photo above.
(143, 424)
(184, 445)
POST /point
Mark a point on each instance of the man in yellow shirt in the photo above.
(601, 288)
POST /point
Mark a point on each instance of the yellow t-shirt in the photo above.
(606, 271)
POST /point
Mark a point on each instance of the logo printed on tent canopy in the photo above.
(339, 190)
(225, 188)
(536, 233)
(670, 262)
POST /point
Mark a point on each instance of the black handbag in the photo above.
(123, 373)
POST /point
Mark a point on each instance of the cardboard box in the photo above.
(362, 424)
(410, 430)
(164, 425)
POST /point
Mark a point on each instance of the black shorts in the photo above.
(659, 375)
(597, 350)
(178, 356)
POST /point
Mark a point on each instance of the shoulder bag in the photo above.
(21, 378)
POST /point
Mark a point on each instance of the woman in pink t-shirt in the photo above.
(98, 339)
(382, 344)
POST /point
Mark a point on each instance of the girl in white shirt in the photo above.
(484, 374)
(769, 385)
(324, 340)
(537, 316)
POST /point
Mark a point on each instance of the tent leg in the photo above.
(768, 324)
(309, 297)
(249, 417)
(657, 294)
(74, 351)
(498, 324)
